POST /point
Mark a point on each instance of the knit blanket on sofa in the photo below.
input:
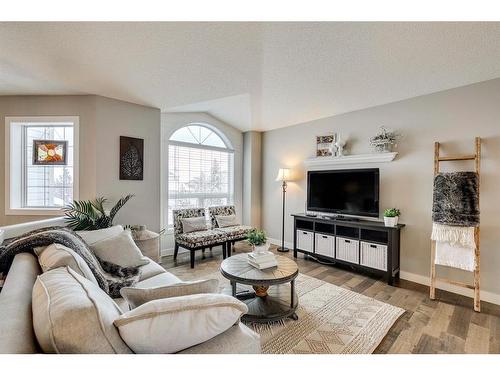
(110, 277)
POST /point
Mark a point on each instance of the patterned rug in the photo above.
(332, 320)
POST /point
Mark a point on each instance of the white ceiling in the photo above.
(251, 75)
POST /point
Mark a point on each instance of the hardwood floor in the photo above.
(445, 325)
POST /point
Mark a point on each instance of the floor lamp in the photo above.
(283, 176)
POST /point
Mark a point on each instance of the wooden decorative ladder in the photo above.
(476, 285)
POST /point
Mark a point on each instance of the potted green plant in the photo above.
(258, 240)
(391, 216)
(91, 215)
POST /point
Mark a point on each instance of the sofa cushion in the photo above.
(239, 339)
(139, 296)
(57, 255)
(193, 224)
(150, 269)
(120, 249)
(201, 238)
(93, 236)
(122, 304)
(172, 324)
(72, 315)
(165, 278)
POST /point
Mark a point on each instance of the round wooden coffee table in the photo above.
(273, 296)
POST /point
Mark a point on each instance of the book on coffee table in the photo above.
(262, 260)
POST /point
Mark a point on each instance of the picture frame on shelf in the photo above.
(325, 145)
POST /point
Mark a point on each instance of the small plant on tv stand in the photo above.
(391, 216)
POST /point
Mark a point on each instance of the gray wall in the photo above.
(252, 178)
(102, 121)
(453, 117)
(115, 118)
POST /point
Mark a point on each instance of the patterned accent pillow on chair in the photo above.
(220, 211)
(235, 232)
(178, 215)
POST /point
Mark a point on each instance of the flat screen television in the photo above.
(344, 192)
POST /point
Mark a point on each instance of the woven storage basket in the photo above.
(148, 242)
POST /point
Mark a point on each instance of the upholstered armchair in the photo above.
(233, 233)
(195, 240)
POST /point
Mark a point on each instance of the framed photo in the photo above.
(131, 158)
(325, 145)
(49, 152)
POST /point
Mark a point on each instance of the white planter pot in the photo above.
(261, 248)
(391, 221)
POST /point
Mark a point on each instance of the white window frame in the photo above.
(13, 125)
(228, 149)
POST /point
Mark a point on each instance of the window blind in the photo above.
(198, 177)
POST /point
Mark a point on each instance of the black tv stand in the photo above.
(361, 244)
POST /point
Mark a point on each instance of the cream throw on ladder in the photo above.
(455, 246)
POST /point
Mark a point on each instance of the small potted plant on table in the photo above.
(391, 216)
(258, 240)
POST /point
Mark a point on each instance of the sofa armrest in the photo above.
(16, 324)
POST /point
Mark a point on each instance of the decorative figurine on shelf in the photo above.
(340, 144)
(385, 140)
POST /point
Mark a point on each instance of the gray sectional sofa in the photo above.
(16, 322)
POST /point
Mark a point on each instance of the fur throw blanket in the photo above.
(110, 277)
(456, 199)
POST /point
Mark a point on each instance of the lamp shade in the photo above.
(283, 174)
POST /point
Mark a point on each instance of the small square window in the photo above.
(45, 186)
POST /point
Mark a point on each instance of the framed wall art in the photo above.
(49, 152)
(131, 158)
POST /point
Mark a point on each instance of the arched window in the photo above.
(200, 169)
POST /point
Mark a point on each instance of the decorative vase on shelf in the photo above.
(340, 144)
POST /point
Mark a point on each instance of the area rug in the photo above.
(332, 320)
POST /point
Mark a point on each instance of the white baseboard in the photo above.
(165, 252)
(425, 280)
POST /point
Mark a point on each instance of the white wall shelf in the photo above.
(333, 161)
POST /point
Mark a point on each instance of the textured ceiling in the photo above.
(251, 75)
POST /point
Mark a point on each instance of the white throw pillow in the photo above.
(57, 255)
(120, 250)
(226, 220)
(72, 315)
(172, 324)
(139, 296)
(193, 224)
(92, 236)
